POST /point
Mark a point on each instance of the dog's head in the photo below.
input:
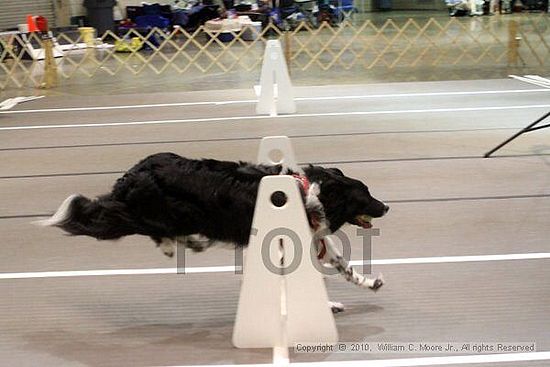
(345, 199)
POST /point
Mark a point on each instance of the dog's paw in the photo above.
(169, 253)
(336, 307)
(167, 249)
(378, 283)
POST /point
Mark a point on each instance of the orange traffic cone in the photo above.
(31, 24)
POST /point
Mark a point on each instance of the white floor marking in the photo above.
(241, 118)
(231, 268)
(432, 94)
(137, 106)
(413, 362)
(529, 79)
(250, 101)
(435, 361)
(456, 259)
(131, 123)
(539, 78)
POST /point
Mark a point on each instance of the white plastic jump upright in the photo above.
(279, 306)
(275, 73)
(278, 150)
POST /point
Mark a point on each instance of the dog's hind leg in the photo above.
(196, 242)
(166, 245)
(335, 259)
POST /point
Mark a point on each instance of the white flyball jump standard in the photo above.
(278, 150)
(275, 73)
(283, 298)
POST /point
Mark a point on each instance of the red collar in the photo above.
(313, 221)
(303, 181)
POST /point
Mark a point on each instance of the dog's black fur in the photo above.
(168, 196)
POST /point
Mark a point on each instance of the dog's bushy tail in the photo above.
(102, 218)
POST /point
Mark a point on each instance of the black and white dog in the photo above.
(202, 202)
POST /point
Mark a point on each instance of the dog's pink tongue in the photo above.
(366, 225)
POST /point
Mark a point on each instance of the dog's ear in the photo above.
(336, 171)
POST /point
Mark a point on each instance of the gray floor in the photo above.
(446, 201)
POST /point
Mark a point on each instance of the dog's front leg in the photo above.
(337, 261)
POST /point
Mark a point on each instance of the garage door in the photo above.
(14, 12)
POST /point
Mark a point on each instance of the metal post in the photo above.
(525, 130)
(513, 43)
(288, 52)
(50, 67)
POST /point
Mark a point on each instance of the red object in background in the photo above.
(41, 23)
(37, 23)
(31, 25)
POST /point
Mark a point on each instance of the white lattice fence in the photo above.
(412, 44)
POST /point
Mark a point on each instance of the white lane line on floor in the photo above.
(435, 361)
(456, 259)
(231, 268)
(413, 362)
(249, 101)
(137, 106)
(431, 94)
(241, 118)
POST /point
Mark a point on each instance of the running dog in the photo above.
(199, 203)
